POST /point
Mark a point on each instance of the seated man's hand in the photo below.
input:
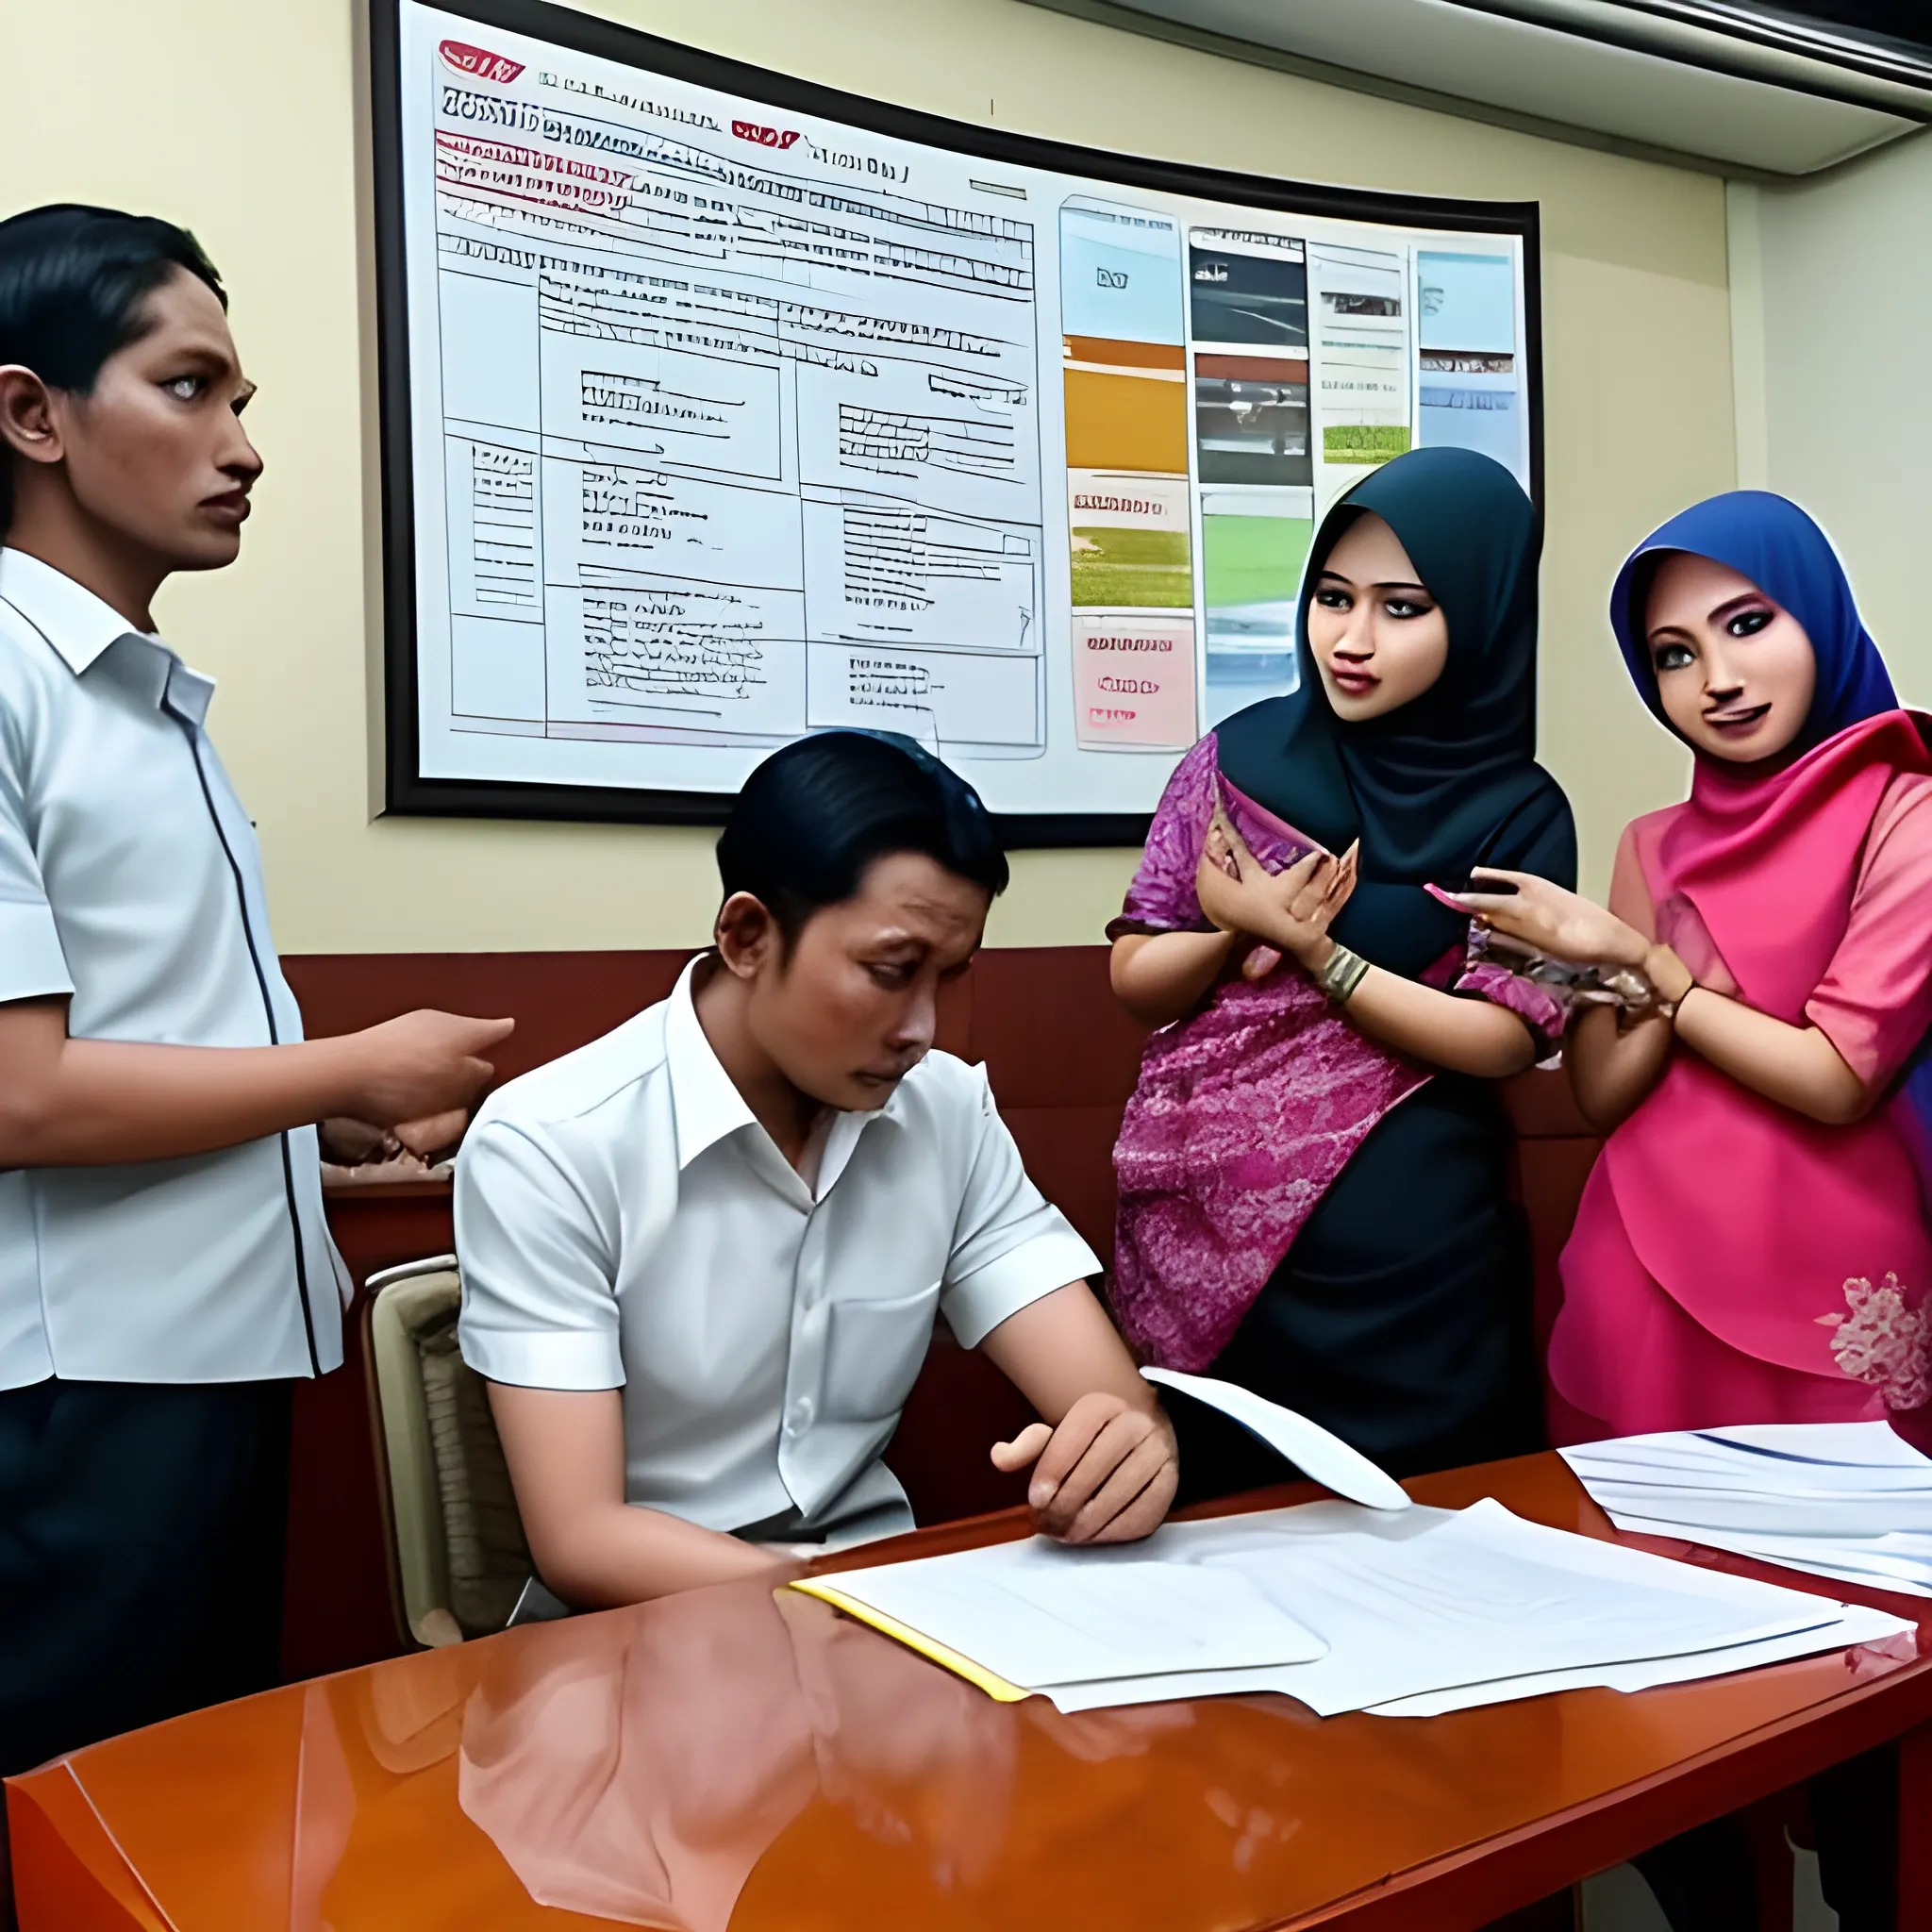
(362, 1143)
(435, 1134)
(351, 1143)
(1105, 1476)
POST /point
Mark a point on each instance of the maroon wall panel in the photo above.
(1051, 1033)
(558, 1000)
(1069, 1153)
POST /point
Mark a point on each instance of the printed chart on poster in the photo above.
(711, 422)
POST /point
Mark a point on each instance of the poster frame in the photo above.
(409, 792)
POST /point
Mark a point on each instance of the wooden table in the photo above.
(726, 1758)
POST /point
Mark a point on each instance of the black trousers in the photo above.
(142, 1533)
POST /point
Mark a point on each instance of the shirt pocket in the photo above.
(874, 1349)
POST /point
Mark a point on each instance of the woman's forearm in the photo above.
(1795, 1066)
(1161, 976)
(1462, 1035)
(1611, 1067)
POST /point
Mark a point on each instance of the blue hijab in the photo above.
(1769, 539)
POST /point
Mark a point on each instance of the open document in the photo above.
(1852, 1501)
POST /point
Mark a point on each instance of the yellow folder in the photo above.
(976, 1674)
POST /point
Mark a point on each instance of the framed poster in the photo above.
(718, 408)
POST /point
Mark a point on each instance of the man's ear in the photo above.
(29, 424)
(746, 934)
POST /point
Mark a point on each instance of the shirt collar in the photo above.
(78, 623)
(706, 1103)
(81, 626)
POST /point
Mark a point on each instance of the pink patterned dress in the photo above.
(1247, 1111)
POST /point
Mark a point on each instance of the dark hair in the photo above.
(816, 814)
(74, 286)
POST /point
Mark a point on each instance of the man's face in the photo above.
(852, 1009)
(156, 452)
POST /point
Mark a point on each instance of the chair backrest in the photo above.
(461, 1559)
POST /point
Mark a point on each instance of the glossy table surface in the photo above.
(732, 1757)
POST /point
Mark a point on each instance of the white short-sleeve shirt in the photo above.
(130, 881)
(623, 1221)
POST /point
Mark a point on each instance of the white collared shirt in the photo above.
(130, 879)
(623, 1221)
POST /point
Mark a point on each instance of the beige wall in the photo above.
(240, 118)
(1833, 292)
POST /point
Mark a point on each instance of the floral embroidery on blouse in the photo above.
(1883, 1341)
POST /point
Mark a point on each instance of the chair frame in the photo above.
(414, 1535)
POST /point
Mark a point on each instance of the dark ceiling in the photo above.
(1902, 23)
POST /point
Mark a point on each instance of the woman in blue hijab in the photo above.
(1754, 1244)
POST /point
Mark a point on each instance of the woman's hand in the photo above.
(1546, 919)
(1290, 912)
(1261, 961)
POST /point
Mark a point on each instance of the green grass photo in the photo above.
(1363, 443)
(1253, 560)
(1132, 570)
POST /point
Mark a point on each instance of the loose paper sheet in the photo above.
(1855, 1626)
(1321, 1456)
(1851, 1501)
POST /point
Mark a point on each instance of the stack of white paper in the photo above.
(1346, 1608)
(1846, 1500)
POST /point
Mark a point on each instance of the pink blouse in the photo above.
(1732, 1260)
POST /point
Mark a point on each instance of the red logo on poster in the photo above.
(765, 136)
(479, 63)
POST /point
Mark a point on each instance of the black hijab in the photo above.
(1448, 780)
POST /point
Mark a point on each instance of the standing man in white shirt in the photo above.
(165, 1273)
(702, 1257)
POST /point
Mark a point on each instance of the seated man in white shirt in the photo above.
(701, 1256)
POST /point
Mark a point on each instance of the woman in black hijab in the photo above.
(1314, 1198)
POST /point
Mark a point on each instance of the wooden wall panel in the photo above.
(560, 1001)
(1051, 1033)
(1069, 1153)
